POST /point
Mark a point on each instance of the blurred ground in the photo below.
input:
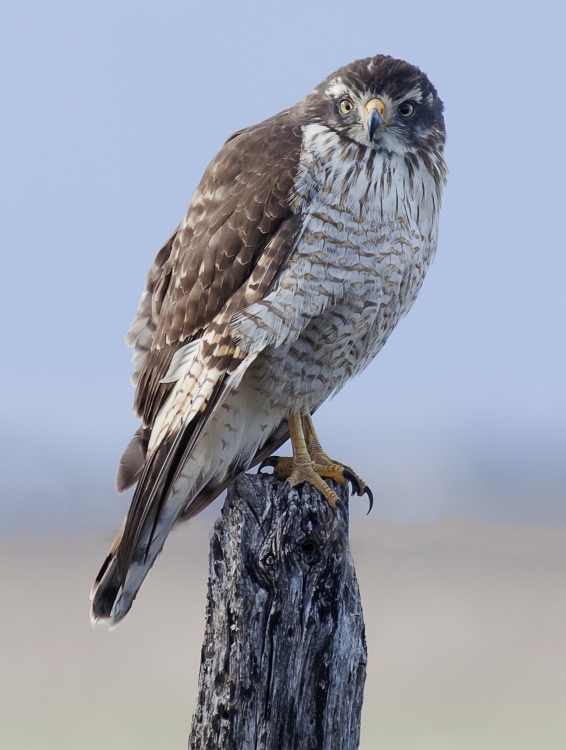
(466, 628)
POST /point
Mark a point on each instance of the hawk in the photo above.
(306, 241)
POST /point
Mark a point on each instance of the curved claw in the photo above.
(271, 461)
(340, 504)
(355, 482)
(369, 493)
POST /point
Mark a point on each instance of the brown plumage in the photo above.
(304, 233)
(225, 255)
(237, 208)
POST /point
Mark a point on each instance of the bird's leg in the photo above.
(328, 467)
(310, 463)
(299, 468)
(303, 469)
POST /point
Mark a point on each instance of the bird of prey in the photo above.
(306, 241)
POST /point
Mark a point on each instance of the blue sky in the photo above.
(110, 113)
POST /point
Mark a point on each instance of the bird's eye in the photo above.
(406, 109)
(346, 107)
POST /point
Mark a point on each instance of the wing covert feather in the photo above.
(238, 207)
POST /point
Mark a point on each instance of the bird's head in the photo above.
(382, 103)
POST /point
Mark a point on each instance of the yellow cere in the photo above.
(375, 104)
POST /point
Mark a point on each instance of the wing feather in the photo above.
(240, 203)
(141, 333)
(226, 255)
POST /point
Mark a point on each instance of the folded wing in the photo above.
(225, 256)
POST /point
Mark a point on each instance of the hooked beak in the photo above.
(375, 110)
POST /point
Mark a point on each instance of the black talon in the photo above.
(356, 486)
(369, 493)
(271, 461)
(342, 507)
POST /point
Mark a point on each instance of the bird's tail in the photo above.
(121, 575)
(106, 585)
(110, 599)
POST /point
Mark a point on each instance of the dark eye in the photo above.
(346, 106)
(406, 109)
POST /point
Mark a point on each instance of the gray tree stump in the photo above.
(283, 662)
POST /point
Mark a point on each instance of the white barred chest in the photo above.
(368, 236)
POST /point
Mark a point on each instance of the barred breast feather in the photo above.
(368, 235)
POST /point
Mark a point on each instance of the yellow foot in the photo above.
(283, 468)
(341, 473)
(302, 468)
(299, 471)
(328, 467)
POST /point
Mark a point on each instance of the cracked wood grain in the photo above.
(284, 656)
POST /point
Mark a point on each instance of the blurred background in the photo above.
(110, 113)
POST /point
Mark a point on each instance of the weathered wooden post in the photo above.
(284, 655)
